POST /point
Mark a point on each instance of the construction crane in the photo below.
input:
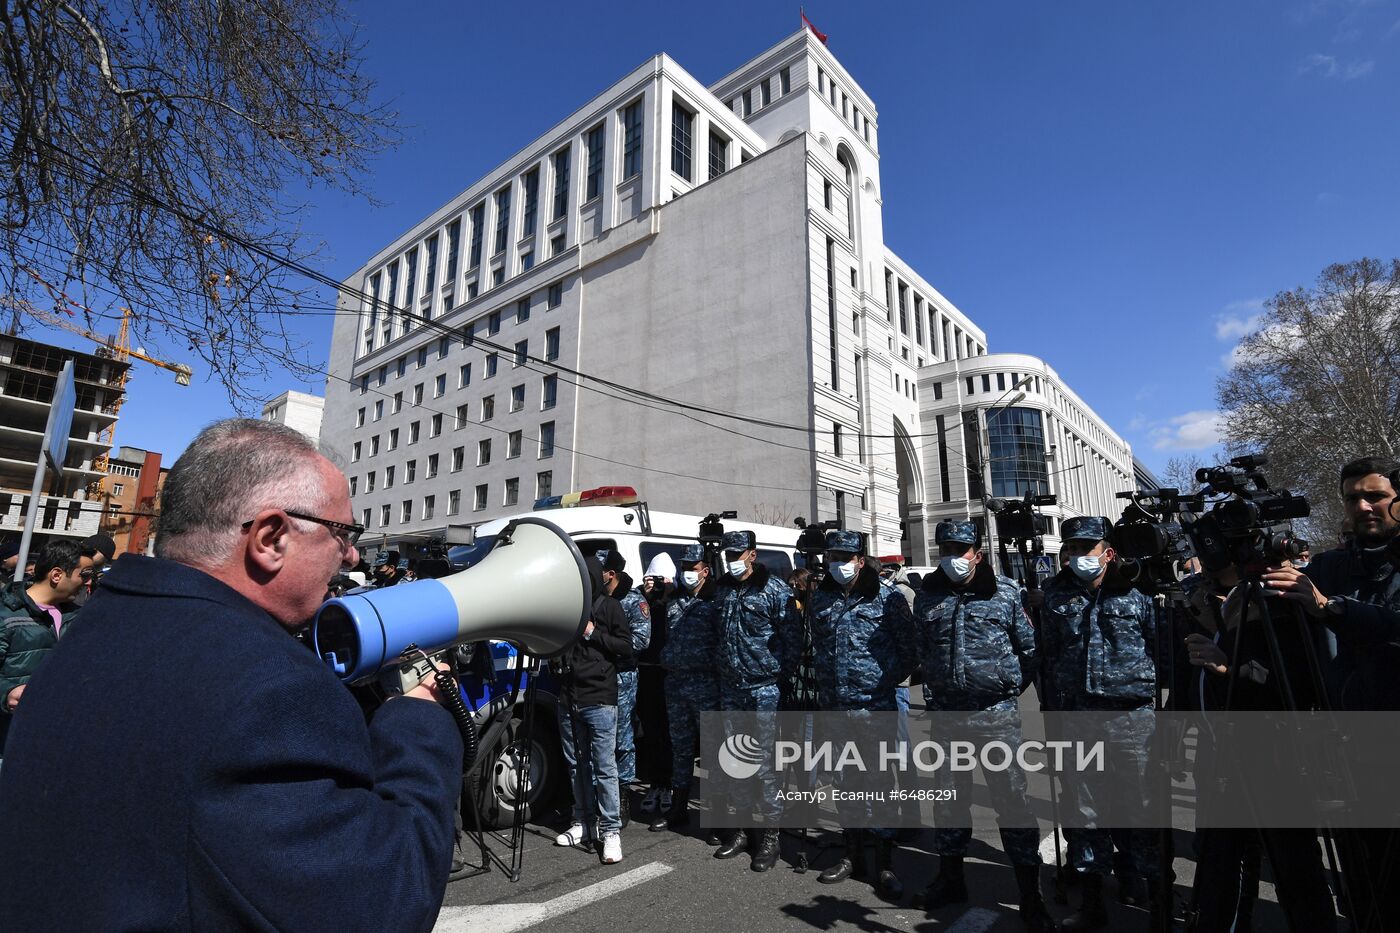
(119, 348)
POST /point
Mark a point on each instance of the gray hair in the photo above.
(233, 470)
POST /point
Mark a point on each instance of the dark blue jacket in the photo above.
(975, 642)
(1100, 644)
(863, 643)
(180, 762)
(692, 632)
(759, 629)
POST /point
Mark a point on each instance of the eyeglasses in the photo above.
(348, 534)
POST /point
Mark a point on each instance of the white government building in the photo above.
(719, 246)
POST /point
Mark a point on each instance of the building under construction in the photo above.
(29, 371)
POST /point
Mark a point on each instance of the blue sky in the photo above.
(1112, 186)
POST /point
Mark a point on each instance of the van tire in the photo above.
(491, 780)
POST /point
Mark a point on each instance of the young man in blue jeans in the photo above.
(588, 721)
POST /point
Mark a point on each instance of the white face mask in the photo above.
(1086, 568)
(691, 578)
(737, 568)
(956, 569)
(844, 573)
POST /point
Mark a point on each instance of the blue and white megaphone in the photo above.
(532, 590)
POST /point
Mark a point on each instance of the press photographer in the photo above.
(1355, 592)
(213, 773)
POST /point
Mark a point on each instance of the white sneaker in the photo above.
(572, 836)
(612, 848)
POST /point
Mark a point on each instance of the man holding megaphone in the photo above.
(233, 783)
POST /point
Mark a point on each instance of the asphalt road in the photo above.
(671, 882)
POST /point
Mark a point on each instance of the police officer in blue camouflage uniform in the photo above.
(1101, 641)
(759, 640)
(692, 685)
(638, 614)
(978, 653)
(863, 645)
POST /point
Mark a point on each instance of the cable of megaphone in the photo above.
(532, 590)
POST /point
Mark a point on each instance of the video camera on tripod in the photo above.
(711, 537)
(1249, 528)
(811, 543)
(1019, 520)
(1151, 543)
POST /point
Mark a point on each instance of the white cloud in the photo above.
(1239, 319)
(1195, 430)
(1358, 70)
(1324, 65)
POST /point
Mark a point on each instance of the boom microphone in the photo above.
(532, 590)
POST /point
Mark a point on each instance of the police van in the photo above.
(604, 518)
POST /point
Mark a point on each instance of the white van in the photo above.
(619, 522)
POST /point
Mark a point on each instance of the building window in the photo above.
(522, 310)
(502, 221)
(831, 313)
(492, 361)
(410, 265)
(428, 503)
(549, 392)
(719, 154)
(546, 440)
(513, 444)
(986, 382)
(454, 501)
(440, 385)
(463, 414)
(593, 143)
(557, 245)
(384, 515)
(840, 509)
(517, 397)
(522, 351)
(544, 484)
(374, 446)
(530, 181)
(422, 357)
(747, 100)
(454, 240)
(354, 487)
(369, 481)
(430, 265)
(443, 344)
(561, 183)
(413, 433)
(393, 438)
(478, 218)
(682, 131)
(472, 290)
(527, 260)
(493, 324)
(410, 470)
(464, 375)
(903, 309)
(488, 408)
(383, 374)
(435, 426)
(937, 391)
(398, 403)
(765, 92)
(360, 418)
(479, 501)
(836, 439)
(432, 466)
(388, 477)
(556, 296)
(551, 344)
(632, 140)
(785, 80)
(1016, 439)
(483, 451)
(512, 495)
(459, 456)
(826, 194)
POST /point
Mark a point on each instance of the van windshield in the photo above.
(469, 555)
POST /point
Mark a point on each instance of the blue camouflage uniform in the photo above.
(638, 614)
(978, 654)
(692, 685)
(863, 645)
(1101, 645)
(759, 637)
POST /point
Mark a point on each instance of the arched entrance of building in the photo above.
(913, 541)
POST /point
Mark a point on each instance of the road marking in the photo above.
(976, 920)
(504, 918)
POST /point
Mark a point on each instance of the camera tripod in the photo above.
(1254, 594)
